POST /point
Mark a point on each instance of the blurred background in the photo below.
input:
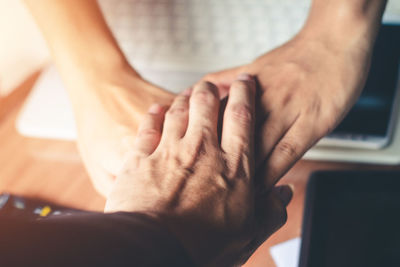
(22, 48)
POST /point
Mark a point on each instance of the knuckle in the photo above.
(205, 138)
(241, 113)
(314, 106)
(271, 129)
(205, 92)
(203, 142)
(207, 132)
(329, 124)
(178, 110)
(288, 149)
(148, 133)
(242, 85)
(221, 185)
(239, 166)
(180, 106)
(148, 166)
(240, 141)
(204, 97)
(193, 152)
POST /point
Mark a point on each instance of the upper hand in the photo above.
(202, 189)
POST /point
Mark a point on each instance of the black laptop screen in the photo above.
(371, 114)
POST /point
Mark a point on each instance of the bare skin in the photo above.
(307, 85)
(107, 95)
(203, 189)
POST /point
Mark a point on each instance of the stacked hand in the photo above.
(202, 188)
(306, 88)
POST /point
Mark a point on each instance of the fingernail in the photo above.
(187, 92)
(285, 193)
(155, 109)
(245, 77)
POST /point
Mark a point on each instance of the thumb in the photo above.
(223, 79)
(270, 213)
(271, 209)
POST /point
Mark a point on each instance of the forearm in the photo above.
(80, 41)
(94, 69)
(345, 22)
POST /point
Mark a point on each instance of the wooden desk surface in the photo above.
(52, 170)
(48, 169)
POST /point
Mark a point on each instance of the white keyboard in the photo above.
(206, 35)
(201, 35)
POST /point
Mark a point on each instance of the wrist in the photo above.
(119, 95)
(344, 24)
(97, 83)
(94, 69)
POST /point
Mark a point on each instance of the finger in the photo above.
(149, 132)
(224, 79)
(203, 110)
(287, 152)
(272, 130)
(238, 124)
(176, 118)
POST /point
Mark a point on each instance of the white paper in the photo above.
(287, 254)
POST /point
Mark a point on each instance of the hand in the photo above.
(307, 86)
(203, 190)
(107, 95)
(107, 122)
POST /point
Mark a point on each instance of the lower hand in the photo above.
(307, 87)
(203, 190)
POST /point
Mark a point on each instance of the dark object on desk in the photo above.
(80, 238)
(352, 219)
(23, 207)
